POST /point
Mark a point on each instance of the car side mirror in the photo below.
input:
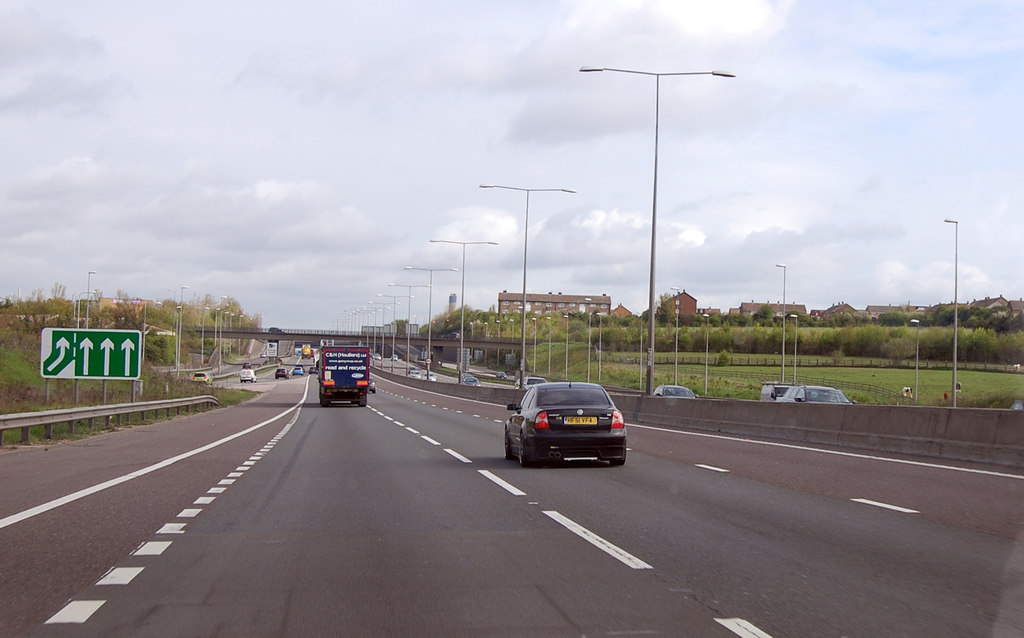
(512, 406)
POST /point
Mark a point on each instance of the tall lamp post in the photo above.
(88, 300)
(566, 347)
(917, 359)
(707, 349)
(394, 331)
(408, 321)
(956, 306)
(548, 319)
(430, 310)
(796, 337)
(534, 319)
(462, 295)
(526, 236)
(202, 338)
(654, 203)
(590, 325)
(177, 350)
(783, 267)
(675, 347)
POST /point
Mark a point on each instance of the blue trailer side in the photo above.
(344, 374)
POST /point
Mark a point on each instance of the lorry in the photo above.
(344, 374)
(307, 351)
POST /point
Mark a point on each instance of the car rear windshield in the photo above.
(564, 397)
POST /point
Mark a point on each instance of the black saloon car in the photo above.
(565, 421)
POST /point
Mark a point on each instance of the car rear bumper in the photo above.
(603, 446)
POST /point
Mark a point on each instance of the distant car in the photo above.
(376, 355)
(565, 421)
(814, 394)
(679, 391)
(500, 375)
(372, 386)
(298, 371)
(394, 357)
(535, 380)
(431, 376)
(202, 377)
(772, 390)
(247, 375)
(313, 369)
(281, 373)
(415, 373)
(1017, 405)
(468, 379)
(246, 365)
(274, 329)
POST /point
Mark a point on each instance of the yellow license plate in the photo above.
(581, 420)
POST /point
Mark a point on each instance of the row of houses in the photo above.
(686, 304)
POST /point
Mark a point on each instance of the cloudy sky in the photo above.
(297, 156)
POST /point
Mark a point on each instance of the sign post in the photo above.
(67, 353)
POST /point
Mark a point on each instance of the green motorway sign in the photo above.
(69, 353)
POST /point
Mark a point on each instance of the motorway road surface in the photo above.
(282, 518)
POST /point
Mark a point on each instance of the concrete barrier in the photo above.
(962, 434)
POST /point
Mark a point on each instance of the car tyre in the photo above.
(524, 456)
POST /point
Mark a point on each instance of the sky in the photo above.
(298, 156)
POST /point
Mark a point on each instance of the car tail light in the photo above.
(541, 422)
(617, 421)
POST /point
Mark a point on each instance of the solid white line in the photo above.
(711, 467)
(89, 491)
(429, 440)
(120, 575)
(895, 508)
(75, 612)
(619, 554)
(512, 489)
(1019, 477)
(457, 455)
(741, 628)
(152, 548)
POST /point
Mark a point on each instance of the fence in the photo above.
(48, 418)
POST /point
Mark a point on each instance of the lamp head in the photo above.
(591, 69)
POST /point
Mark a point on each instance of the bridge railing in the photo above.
(48, 418)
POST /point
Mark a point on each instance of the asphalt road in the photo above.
(404, 519)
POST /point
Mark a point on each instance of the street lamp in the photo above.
(566, 347)
(548, 319)
(600, 345)
(590, 323)
(707, 349)
(917, 359)
(408, 321)
(675, 348)
(956, 307)
(394, 331)
(202, 338)
(88, 300)
(430, 314)
(654, 202)
(526, 235)
(796, 336)
(177, 350)
(783, 267)
(462, 295)
(534, 319)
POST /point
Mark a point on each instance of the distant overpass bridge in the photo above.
(443, 349)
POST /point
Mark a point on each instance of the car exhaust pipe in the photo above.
(555, 455)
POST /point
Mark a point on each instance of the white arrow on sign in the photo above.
(85, 347)
(127, 346)
(107, 345)
(62, 345)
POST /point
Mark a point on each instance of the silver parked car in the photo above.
(814, 394)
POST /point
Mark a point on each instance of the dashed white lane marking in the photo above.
(75, 612)
(457, 455)
(191, 512)
(234, 474)
(711, 467)
(612, 550)
(226, 482)
(512, 489)
(204, 500)
(120, 575)
(741, 628)
(152, 548)
(172, 528)
(429, 440)
(216, 490)
(412, 430)
(895, 508)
